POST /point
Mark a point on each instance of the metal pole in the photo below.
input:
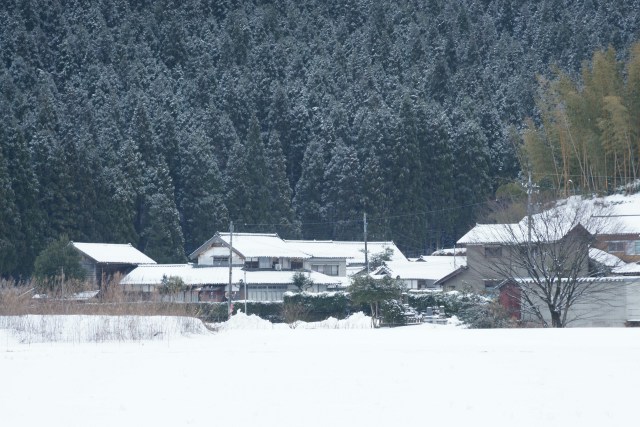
(529, 209)
(366, 252)
(229, 306)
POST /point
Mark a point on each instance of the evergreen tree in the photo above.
(8, 220)
(280, 194)
(199, 191)
(308, 199)
(57, 263)
(342, 201)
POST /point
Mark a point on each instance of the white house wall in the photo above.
(619, 302)
(206, 257)
(633, 301)
(341, 263)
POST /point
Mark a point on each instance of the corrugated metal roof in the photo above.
(112, 253)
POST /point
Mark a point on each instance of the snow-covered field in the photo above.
(250, 373)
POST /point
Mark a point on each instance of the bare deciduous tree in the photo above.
(546, 257)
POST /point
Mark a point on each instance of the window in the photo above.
(296, 264)
(251, 263)
(636, 247)
(490, 284)
(616, 247)
(328, 269)
(493, 251)
(220, 260)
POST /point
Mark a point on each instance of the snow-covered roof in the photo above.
(195, 276)
(494, 233)
(546, 227)
(111, 253)
(286, 277)
(431, 268)
(253, 245)
(631, 269)
(605, 258)
(623, 213)
(352, 251)
(448, 252)
(615, 214)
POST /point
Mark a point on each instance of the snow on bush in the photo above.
(77, 329)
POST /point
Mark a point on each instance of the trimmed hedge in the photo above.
(268, 310)
(314, 307)
(217, 311)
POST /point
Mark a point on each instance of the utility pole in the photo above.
(366, 252)
(229, 304)
(529, 209)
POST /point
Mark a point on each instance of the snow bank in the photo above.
(358, 320)
(355, 321)
(78, 329)
(243, 321)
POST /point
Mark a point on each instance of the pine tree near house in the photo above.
(8, 219)
(342, 200)
(308, 199)
(246, 176)
(157, 217)
(199, 190)
(281, 213)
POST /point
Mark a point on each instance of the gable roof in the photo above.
(517, 234)
(253, 245)
(430, 268)
(112, 253)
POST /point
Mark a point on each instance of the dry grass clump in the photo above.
(21, 298)
(114, 314)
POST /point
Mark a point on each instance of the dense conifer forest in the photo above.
(157, 122)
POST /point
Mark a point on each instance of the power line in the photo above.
(375, 218)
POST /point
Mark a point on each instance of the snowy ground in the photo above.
(352, 376)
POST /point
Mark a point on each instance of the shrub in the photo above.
(57, 263)
(268, 310)
(478, 314)
(451, 301)
(393, 313)
(313, 307)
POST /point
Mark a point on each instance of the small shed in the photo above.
(104, 261)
